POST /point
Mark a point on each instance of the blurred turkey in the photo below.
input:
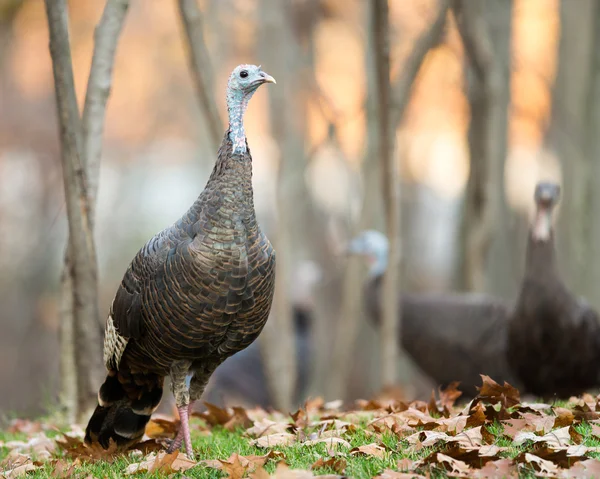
(450, 336)
(225, 387)
(554, 337)
(195, 294)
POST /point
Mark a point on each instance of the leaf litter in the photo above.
(492, 436)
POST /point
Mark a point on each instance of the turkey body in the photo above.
(554, 337)
(451, 336)
(195, 294)
(202, 289)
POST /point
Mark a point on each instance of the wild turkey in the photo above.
(450, 336)
(196, 293)
(553, 337)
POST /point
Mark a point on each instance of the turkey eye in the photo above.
(243, 74)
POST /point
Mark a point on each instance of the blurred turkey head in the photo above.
(546, 198)
(306, 276)
(374, 246)
(246, 79)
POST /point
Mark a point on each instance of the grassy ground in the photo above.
(473, 442)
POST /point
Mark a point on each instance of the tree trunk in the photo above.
(374, 203)
(574, 135)
(485, 28)
(278, 338)
(590, 290)
(391, 320)
(350, 312)
(474, 228)
(68, 368)
(89, 134)
(81, 242)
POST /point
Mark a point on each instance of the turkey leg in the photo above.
(179, 371)
(184, 431)
(187, 398)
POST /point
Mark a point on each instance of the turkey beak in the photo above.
(266, 78)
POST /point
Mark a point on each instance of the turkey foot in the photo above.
(183, 433)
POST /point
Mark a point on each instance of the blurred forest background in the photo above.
(509, 100)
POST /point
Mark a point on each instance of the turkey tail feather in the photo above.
(125, 404)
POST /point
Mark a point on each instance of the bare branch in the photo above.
(406, 78)
(81, 242)
(475, 37)
(106, 37)
(201, 67)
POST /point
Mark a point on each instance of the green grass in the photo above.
(221, 443)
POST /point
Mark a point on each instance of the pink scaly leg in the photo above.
(184, 431)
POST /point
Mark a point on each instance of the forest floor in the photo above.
(493, 436)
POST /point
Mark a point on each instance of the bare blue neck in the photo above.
(379, 264)
(237, 102)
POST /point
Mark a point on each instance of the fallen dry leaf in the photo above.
(214, 415)
(299, 419)
(541, 465)
(159, 428)
(63, 469)
(449, 395)
(389, 474)
(17, 464)
(557, 439)
(234, 468)
(39, 447)
(595, 430)
(24, 426)
(161, 463)
(212, 463)
(369, 450)
(406, 464)
(230, 419)
(278, 439)
(468, 438)
(250, 463)
(239, 419)
(316, 404)
(259, 473)
(453, 424)
(493, 392)
(454, 466)
(333, 405)
(475, 413)
(490, 450)
(427, 438)
(582, 470)
(512, 427)
(564, 417)
(259, 461)
(74, 448)
(338, 464)
(19, 471)
(500, 469)
(539, 423)
(265, 426)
